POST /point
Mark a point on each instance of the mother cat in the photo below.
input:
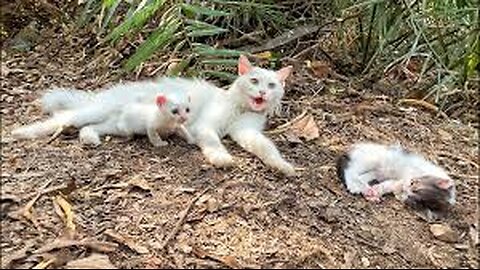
(239, 112)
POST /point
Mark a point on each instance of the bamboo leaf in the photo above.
(159, 38)
(205, 50)
(136, 20)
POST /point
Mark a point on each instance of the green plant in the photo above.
(438, 39)
(188, 26)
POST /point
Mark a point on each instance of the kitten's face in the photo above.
(261, 89)
(431, 193)
(177, 107)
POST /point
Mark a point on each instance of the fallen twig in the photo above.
(424, 104)
(17, 255)
(25, 211)
(182, 219)
(62, 243)
(55, 135)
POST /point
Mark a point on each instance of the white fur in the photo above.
(144, 118)
(215, 113)
(387, 163)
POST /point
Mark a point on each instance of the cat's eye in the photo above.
(254, 80)
(271, 85)
(175, 111)
(187, 110)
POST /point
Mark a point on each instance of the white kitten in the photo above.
(375, 170)
(71, 107)
(165, 115)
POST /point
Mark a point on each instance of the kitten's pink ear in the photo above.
(244, 66)
(160, 100)
(284, 73)
(444, 184)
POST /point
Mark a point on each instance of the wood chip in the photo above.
(94, 261)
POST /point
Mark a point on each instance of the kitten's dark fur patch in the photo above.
(341, 165)
(429, 196)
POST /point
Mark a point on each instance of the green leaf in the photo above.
(111, 6)
(220, 74)
(159, 38)
(205, 50)
(136, 20)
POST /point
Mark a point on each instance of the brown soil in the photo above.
(250, 216)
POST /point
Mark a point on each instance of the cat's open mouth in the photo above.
(258, 103)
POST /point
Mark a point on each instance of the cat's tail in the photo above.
(58, 99)
(341, 165)
(68, 118)
(43, 128)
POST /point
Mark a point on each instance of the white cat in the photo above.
(239, 112)
(165, 115)
(375, 170)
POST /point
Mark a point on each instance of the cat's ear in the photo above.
(244, 65)
(160, 100)
(284, 73)
(444, 184)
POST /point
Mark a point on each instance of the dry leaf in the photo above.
(229, 261)
(44, 264)
(266, 55)
(127, 241)
(321, 69)
(94, 261)
(68, 215)
(443, 232)
(140, 182)
(305, 127)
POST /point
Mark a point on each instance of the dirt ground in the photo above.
(126, 197)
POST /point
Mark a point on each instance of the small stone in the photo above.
(443, 233)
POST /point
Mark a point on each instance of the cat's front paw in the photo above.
(89, 136)
(371, 194)
(159, 143)
(220, 159)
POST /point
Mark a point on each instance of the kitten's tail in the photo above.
(341, 165)
(58, 99)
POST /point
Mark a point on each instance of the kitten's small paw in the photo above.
(372, 195)
(89, 136)
(220, 159)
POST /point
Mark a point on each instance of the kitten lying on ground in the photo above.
(165, 115)
(375, 170)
